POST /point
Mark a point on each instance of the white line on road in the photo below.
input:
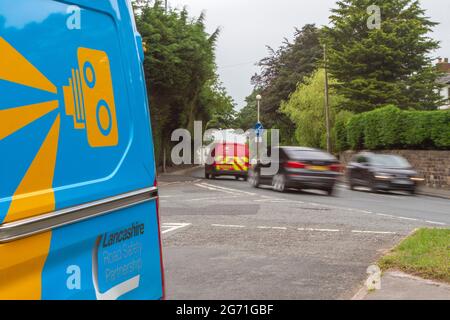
(436, 223)
(267, 199)
(410, 219)
(272, 228)
(372, 232)
(229, 189)
(318, 230)
(227, 226)
(170, 227)
(213, 189)
(212, 199)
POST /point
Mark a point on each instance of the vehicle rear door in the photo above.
(78, 196)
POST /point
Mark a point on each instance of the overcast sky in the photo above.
(249, 25)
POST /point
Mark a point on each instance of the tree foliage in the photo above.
(180, 70)
(389, 65)
(281, 71)
(306, 108)
(393, 128)
(247, 116)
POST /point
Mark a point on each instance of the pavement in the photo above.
(400, 286)
(224, 239)
(439, 193)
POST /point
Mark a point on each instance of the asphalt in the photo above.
(225, 240)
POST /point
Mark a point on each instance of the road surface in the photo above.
(225, 240)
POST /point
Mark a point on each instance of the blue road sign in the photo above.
(259, 128)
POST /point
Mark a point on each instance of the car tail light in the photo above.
(294, 165)
(336, 168)
(155, 184)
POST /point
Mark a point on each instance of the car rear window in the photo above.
(231, 150)
(389, 161)
(308, 155)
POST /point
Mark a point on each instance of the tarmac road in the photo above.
(225, 240)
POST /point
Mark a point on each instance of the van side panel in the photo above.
(74, 130)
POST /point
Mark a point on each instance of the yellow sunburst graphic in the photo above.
(34, 195)
(22, 261)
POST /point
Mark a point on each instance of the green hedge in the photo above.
(392, 128)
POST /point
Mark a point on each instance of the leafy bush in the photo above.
(340, 130)
(392, 128)
(355, 132)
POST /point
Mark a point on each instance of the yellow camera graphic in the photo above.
(89, 98)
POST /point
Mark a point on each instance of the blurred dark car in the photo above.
(382, 172)
(299, 168)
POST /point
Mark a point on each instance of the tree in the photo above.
(281, 71)
(180, 70)
(387, 65)
(306, 108)
(247, 116)
(219, 106)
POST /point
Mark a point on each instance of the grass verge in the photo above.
(426, 254)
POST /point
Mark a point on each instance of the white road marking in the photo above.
(214, 189)
(385, 215)
(227, 226)
(171, 227)
(373, 232)
(229, 189)
(436, 223)
(409, 219)
(212, 199)
(318, 230)
(272, 228)
(267, 199)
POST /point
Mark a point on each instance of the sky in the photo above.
(248, 26)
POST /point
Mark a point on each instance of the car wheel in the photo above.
(373, 187)
(330, 191)
(413, 192)
(237, 178)
(253, 178)
(351, 185)
(279, 183)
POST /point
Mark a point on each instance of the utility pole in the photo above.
(327, 101)
(258, 101)
(166, 5)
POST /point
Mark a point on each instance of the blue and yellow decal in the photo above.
(74, 128)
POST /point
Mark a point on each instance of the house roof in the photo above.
(444, 80)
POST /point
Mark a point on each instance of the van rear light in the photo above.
(155, 184)
(336, 168)
(294, 165)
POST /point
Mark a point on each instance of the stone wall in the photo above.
(434, 166)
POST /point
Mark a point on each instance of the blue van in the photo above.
(78, 193)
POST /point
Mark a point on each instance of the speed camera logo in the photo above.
(89, 99)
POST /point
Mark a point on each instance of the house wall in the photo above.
(444, 92)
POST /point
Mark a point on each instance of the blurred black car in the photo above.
(299, 168)
(382, 172)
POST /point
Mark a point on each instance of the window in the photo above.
(361, 159)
